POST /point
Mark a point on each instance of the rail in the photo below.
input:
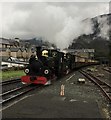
(10, 81)
(109, 71)
(16, 93)
(105, 87)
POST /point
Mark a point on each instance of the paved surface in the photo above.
(79, 101)
(50, 106)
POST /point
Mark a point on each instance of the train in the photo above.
(50, 64)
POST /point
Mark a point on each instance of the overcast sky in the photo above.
(57, 22)
(55, 0)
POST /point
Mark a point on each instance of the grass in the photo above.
(11, 74)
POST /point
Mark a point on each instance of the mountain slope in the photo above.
(99, 39)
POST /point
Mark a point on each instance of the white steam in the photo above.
(104, 27)
(58, 23)
(72, 29)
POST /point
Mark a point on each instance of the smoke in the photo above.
(72, 29)
(59, 23)
(104, 27)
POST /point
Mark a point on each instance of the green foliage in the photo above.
(11, 74)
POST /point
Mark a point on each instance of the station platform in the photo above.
(49, 106)
(79, 101)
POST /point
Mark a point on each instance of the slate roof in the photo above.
(6, 41)
(14, 49)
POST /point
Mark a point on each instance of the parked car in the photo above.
(12, 59)
(4, 67)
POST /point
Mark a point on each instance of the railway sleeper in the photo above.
(108, 91)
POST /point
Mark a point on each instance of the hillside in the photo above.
(99, 39)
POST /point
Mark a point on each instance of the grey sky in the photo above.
(55, 0)
(57, 22)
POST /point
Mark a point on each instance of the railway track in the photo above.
(16, 93)
(105, 87)
(10, 82)
(108, 70)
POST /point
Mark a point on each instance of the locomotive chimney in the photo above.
(38, 52)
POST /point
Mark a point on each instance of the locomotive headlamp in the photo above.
(46, 72)
(26, 70)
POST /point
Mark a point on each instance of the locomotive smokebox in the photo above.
(39, 52)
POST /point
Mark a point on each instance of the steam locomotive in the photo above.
(49, 64)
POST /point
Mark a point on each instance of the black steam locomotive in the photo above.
(49, 64)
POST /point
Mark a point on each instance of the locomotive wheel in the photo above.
(46, 71)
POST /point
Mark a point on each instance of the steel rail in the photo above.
(13, 90)
(109, 71)
(106, 88)
(10, 81)
(18, 95)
